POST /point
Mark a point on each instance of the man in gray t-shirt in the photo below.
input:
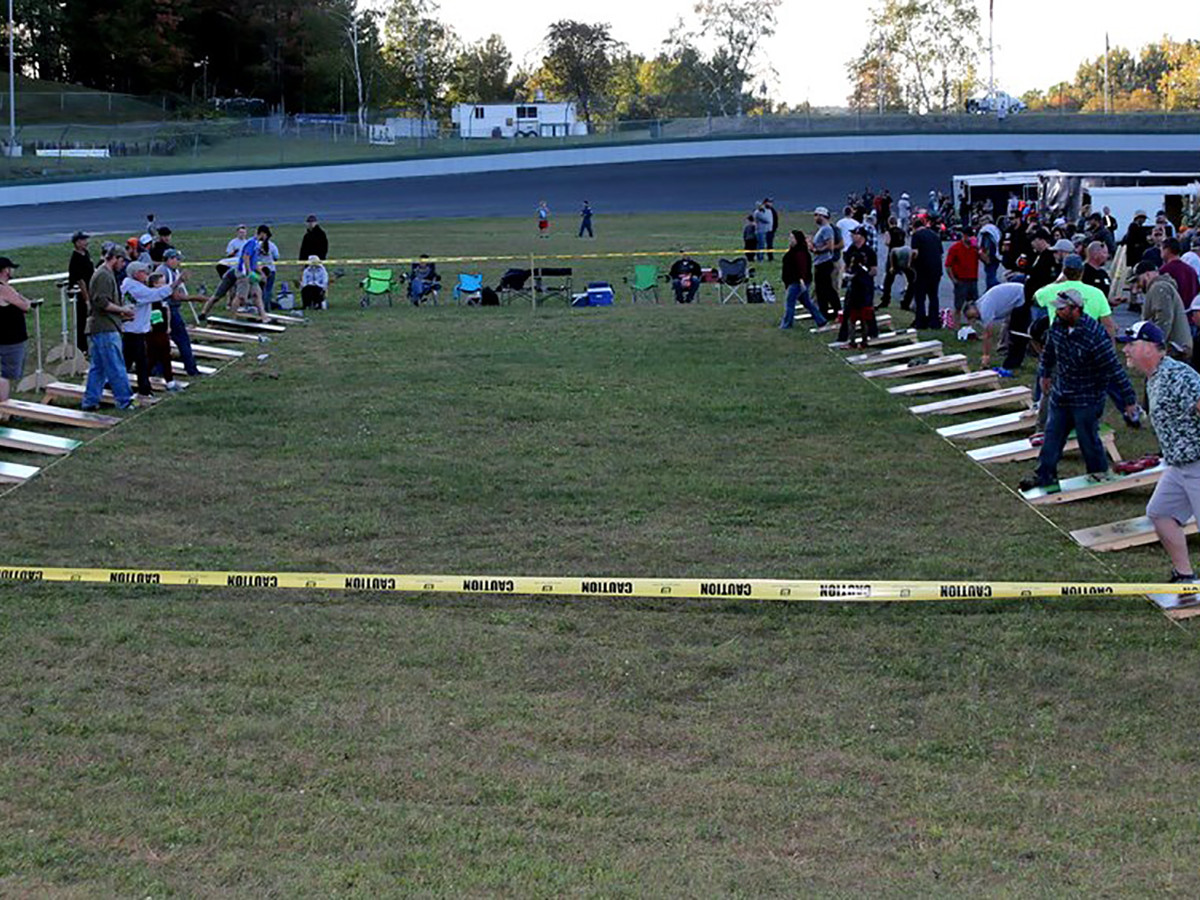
(824, 262)
(991, 311)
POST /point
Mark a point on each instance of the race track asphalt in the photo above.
(796, 183)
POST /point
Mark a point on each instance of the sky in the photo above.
(814, 40)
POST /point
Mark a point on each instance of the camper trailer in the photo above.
(513, 120)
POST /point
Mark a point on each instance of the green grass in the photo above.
(202, 742)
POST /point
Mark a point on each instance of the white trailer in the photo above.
(511, 120)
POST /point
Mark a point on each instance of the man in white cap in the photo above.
(1079, 367)
(825, 257)
(136, 293)
(1173, 389)
(314, 283)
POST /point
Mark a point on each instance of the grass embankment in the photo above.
(198, 742)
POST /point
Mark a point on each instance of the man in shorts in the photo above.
(1174, 391)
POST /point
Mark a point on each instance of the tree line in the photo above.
(333, 55)
(925, 56)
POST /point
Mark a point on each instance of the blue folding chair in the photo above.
(469, 288)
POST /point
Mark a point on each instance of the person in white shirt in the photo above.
(136, 293)
(314, 283)
(846, 225)
(268, 255)
(1192, 258)
(235, 243)
(904, 212)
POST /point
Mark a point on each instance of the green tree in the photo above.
(579, 64)
(929, 46)
(419, 52)
(481, 73)
(728, 35)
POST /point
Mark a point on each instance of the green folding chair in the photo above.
(378, 283)
(644, 282)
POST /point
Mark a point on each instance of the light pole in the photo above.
(12, 86)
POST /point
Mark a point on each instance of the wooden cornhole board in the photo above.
(65, 390)
(45, 413)
(1123, 534)
(1024, 420)
(1003, 397)
(274, 318)
(885, 319)
(908, 370)
(1024, 449)
(1081, 487)
(34, 442)
(1170, 605)
(246, 325)
(205, 351)
(177, 368)
(966, 382)
(15, 473)
(921, 348)
(886, 339)
(228, 337)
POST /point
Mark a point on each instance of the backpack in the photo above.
(488, 297)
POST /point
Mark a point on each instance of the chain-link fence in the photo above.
(93, 149)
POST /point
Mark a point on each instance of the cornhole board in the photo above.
(246, 324)
(178, 368)
(921, 348)
(205, 351)
(65, 390)
(1003, 397)
(1123, 534)
(1081, 487)
(1174, 609)
(887, 338)
(15, 473)
(1019, 451)
(274, 318)
(981, 428)
(46, 413)
(885, 319)
(228, 337)
(33, 442)
(907, 370)
(966, 382)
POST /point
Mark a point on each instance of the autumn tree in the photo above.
(579, 63)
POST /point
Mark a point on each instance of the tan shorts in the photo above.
(1177, 494)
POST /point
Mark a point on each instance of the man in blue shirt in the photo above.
(1079, 367)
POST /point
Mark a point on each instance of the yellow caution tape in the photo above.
(519, 257)
(864, 591)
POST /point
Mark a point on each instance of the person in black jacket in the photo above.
(685, 275)
(796, 275)
(1043, 268)
(315, 241)
(928, 267)
(1137, 239)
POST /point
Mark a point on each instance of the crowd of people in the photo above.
(129, 305)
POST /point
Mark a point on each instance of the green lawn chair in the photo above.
(378, 283)
(644, 282)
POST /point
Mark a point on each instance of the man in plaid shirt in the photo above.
(1078, 366)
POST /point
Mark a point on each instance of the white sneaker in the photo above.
(174, 387)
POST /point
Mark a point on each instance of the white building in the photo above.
(507, 120)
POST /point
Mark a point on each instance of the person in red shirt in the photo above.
(1183, 274)
(962, 265)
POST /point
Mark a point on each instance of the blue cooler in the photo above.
(600, 293)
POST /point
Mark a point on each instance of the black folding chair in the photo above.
(514, 283)
(732, 277)
(550, 281)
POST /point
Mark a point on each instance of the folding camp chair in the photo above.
(469, 287)
(645, 281)
(378, 283)
(732, 277)
(430, 285)
(513, 283)
(552, 281)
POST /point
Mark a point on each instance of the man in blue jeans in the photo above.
(105, 315)
(1078, 369)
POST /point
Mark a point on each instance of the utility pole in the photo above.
(1107, 89)
(12, 86)
(991, 57)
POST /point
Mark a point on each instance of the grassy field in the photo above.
(185, 742)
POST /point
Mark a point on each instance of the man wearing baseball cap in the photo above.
(1079, 368)
(824, 249)
(1162, 305)
(136, 293)
(1174, 391)
(79, 273)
